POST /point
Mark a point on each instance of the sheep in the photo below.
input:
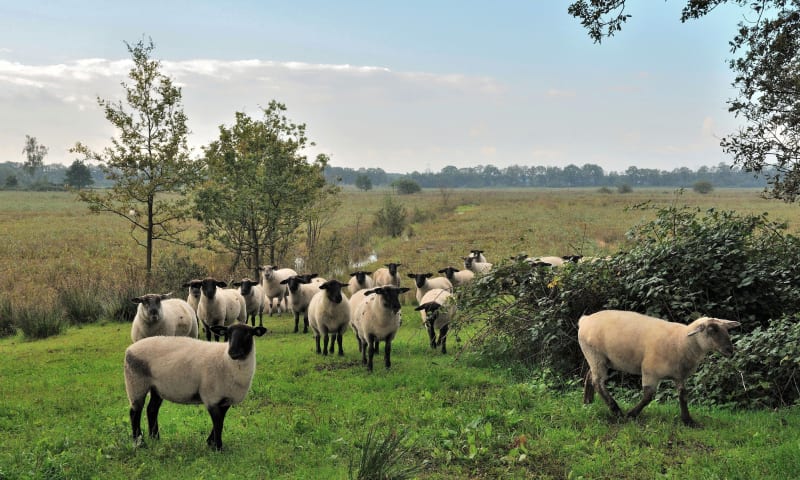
(301, 289)
(477, 255)
(272, 277)
(457, 277)
(437, 310)
(254, 299)
(360, 280)
(219, 306)
(378, 318)
(190, 371)
(470, 263)
(387, 275)
(194, 292)
(355, 300)
(158, 314)
(424, 282)
(653, 348)
(329, 313)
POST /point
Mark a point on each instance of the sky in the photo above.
(399, 85)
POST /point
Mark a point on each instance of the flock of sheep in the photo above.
(168, 361)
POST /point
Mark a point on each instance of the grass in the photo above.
(64, 413)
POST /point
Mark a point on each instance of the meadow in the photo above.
(64, 413)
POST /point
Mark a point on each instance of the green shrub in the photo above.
(392, 217)
(7, 328)
(171, 272)
(383, 458)
(703, 187)
(624, 188)
(39, 321)
(604, 190)
(80, 300)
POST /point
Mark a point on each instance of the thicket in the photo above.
(683, 264)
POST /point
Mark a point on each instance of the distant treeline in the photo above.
(589, 175)
(50, 177)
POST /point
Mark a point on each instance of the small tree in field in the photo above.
(363, 182)
(78, 175)
(405, 186)
(703, 187)
(34, 153)
(148, 159)
(392, 217)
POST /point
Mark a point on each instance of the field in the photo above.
(64, 414)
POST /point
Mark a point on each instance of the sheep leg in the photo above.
(260, 319)
(217, 413)
(364, 345)
(334, 335)
(600, 385)
(316, 339)
(443, 337)
(305, 322)
(648, 393)
(325, 344)
(432, 335)
(387, 354)
(685, 417)
(372, 342)
(339, 341)
(136, 420)
(297, 322)
(152, 413)
(588, 388)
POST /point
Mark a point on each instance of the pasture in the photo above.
(64, 413)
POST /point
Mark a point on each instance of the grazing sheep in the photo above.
(194, 292)
(387, 275)
(377, 319)
(253, 294)
(302, 289)
(189, 371)
(329, 313)
(219, 306)
(470, 263)
(653, 348)
(355, 300)
(360, 280)
(437, 310)
(477, 255)
(458, 277)
(424, 282)
(272, 277)
(158, 314)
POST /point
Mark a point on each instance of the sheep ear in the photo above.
(403, 289)
(222, 284)
(283, 282)
(258, 331)
(412, 275)
(697, 330)
(165, 295)
(136, 300)
(370, 292)
(220, 330)
(728, 324)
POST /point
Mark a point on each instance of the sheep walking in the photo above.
(329, 314)
(426, 281)
(437, 309)
(377, 319)
(254, 300)
(189, 371)
(271, 278)
(653, 348)
(302, 289)
(360, 280)
(219, 306)
(157, 314)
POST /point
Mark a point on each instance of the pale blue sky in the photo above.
(404, 86)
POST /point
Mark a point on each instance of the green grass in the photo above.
(64, 414)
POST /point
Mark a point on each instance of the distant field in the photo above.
(47, 237)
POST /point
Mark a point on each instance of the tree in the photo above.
(767, 78)
(392, 217)
(11, 181)
(405, 186)
(258, 185)
(363, 182)
(148, 159)
(34, 153)
(703, 187)
(78, 175)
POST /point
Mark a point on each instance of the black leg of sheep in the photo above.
(152, 413)
(217, 413)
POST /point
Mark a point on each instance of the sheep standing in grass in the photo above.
(437, 309)
(355, 300)
(377, 319)
(387, 275)
(158, 314)
(254, 299)
(194, 292)
(478, 268)
(329, 314)
(458, 277)
(271, 281)
(360, 280)
(425, 282)
(653, 348)
(219, 306)
(302, 289)
(189, 371)
(478, 255)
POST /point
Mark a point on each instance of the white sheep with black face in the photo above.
(220, 306)
(194, 292)
(437, 309)
(458, 277)
(329, 315)
(376, 319)
(426, 281)
(302, 289)
(360, 280)
(157, 314)
(651, 347)
(271, 278)
(254, 299)
(387, 275)
(478, 268)
(190, 371)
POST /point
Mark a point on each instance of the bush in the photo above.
(39, 321)
(392, 217)
(405, 186)
(80, 300)
(703, 187)
(624, 188)
(7, 328)
(682, 265)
